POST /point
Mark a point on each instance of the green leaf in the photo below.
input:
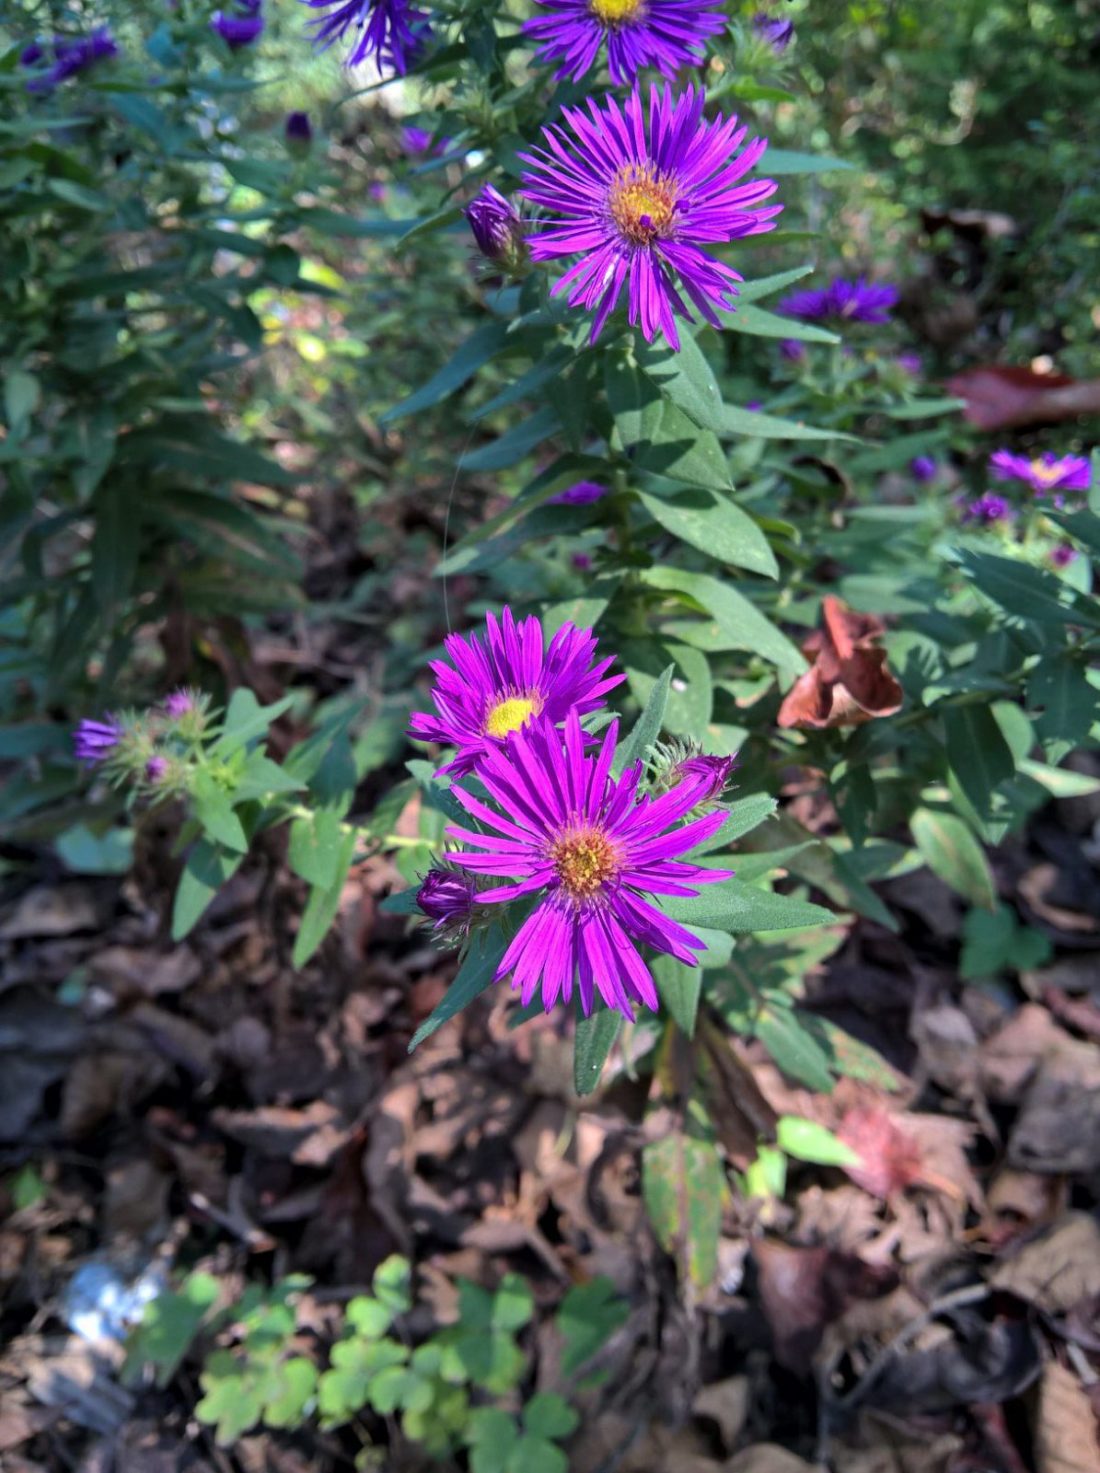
(323, 903)
(588, 1317)
(679, 987)
(647, 729)
(208, 868)
(292, 1388)
(513, 1304)
(88, 853)
(476, 351)
(22, 396)
(691, 695)
(115, 543)
(1060, 689)
(993, 942)
(806, 1140)
(392, 1283)
(761, 324)
(168, 1327)
(368, 1317)
(685, 377)
(315, 847)
(742, 817)
(978, 754)
(1026, 592)
(683, 1186)
(742, 909)
(594, 1039)
(949, 849)
(549, 1415)
(737, 623)
(660, 436)
(537, 1455)
(515, 443)
(793, 1047)
(472, 978)
(768, 286)
(716, 526)
(245, 719)
(783, 161)
(213, 807)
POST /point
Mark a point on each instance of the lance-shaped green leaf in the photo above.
(476, 351)
(737, 623)
(684, 1186)
(716, 526)
(472, 978)
(594, 1040)
(728, 905)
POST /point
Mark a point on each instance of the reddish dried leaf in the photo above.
(848, 682)
(999, 396)
(890, 1159)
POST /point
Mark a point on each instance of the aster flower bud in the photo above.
(986, 509)
(95, 741)
(923, 467)
(1064, 554)
(447, 898)
(185, 710)
(240, 27)
(498, 230)
(156, 769)
(685, 762)
(298, 131)
(776, 32)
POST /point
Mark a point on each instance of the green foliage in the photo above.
(994, 943)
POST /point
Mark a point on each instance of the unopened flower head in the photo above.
(1045, 474)
(390, 33)
(665, 34)
(497, 229)
(987, 509)
(582, 493)
(845, 301)
(778, 33)
(96, 741)
(489, 690)
(924, 468)
(298, 130)
(446, 897)
(678, 762)
(157, 769)
(591, 851)
(1064, 554)
(240, 26)
(637, 193)
(792, 350)
(910, 363)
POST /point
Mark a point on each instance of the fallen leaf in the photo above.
(1065, 1425)
(1058, 1270)
(802, 1290)
(767, 1457)
(848, 682)
(1000, 396)
(726, 1403)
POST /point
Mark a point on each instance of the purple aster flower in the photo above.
(988, 508)
(911, 364)
(923, 467)
(241, 26)
(777, 33)
(637, 199)
(376, 191)
(792, 350)
(583, 493)
(666, 34)
(392, 33)
(710, 772)
(447, 899)
(592, 850)
(497, 228)
(1064, 554)
(94, 741)
(298, 129)
(70, 57)
(420, 140)
(854, 301)
(1043, 473)
(498, 687)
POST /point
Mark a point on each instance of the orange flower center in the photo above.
(1047, 474)
(585, 860)
(510, 713)
(643, 203)
(615, 12)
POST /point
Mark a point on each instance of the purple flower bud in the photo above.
(1062, 555)
(911, 364)
(242, 27)
(713, 771)
(987, 509)
(94, 741)
(70, 57)
(778, 33)
(582, 562)
(754, 406)
(419, 140)
(924, 468)
(447, 899)
(497, 228)
(298, 129)
(156, 769)
(792, 350)
(581, 494)
(180, 703)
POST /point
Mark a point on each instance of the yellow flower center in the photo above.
(643, 203)
(510, 714)
(585, 860)
(1048, 474)
(615, 12)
